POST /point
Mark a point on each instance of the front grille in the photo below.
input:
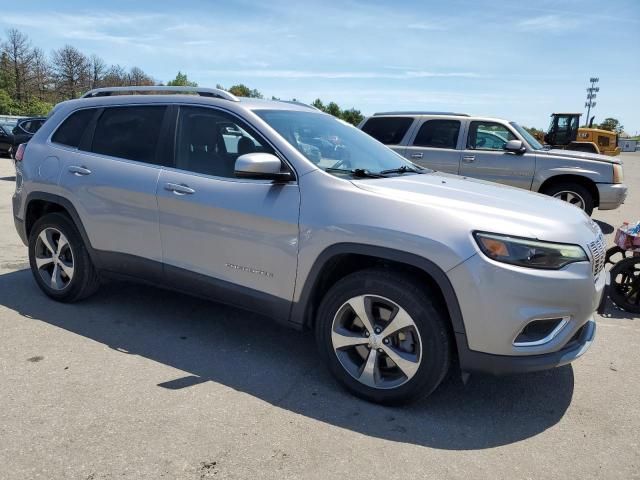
(598, 253)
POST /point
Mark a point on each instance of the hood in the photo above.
(478, 205)
(556, 152)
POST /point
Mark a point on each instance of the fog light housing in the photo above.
(540, 331)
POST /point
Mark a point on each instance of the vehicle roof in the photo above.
(461, 116)
(243, 103)
(453, 114)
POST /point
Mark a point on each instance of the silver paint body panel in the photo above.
(267, 237)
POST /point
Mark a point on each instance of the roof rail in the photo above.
(452, 114)
(203, 92)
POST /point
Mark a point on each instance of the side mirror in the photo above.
(515, 146)
(260, 166)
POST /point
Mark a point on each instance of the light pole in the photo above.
(591, 96)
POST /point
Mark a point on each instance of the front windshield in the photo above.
(531, 140)
(334, 145)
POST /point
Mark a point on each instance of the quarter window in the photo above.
(71, 131)
(129, 132)
(488, 136)
(388, 130)
(210, 141)
(438, 134)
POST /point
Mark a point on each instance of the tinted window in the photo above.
(129, 132)
(210, 141)
(488, 136)
(438, 134)
(388, 130)
(31, 126)
(72, 129)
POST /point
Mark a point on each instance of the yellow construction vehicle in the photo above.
(565, 132)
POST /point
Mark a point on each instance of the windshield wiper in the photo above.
(356, 172)
(402, 169)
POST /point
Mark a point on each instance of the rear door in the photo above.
(484, 156)
(111, 179)
(435, 145)
(393, 131)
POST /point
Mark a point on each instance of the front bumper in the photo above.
(498, 300)
(612, 195)
(478, 362)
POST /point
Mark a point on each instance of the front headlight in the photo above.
(530, 253)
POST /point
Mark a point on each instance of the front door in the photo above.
(236, 237)
(485, 156)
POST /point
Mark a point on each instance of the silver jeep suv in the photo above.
(500, 151)
(276, 207)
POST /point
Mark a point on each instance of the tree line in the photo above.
(32, 81)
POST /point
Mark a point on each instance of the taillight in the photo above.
(20, 152)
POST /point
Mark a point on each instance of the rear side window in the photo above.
(71, 131)
(388, 130)
(129, 132)
(438, 134)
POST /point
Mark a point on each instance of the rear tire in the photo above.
(59, 260)
(400, 352)
(573, 193)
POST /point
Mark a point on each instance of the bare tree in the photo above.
(19, 54)
(40, 80)
(137, 77)
(72, 71)
(98, 70)
(116, 76)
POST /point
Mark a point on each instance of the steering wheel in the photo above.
(480, 142)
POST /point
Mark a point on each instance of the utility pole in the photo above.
(591, 96)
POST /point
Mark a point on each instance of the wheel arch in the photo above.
(569, 178)
(42, 203)
(342, 259)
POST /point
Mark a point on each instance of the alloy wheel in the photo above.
(54, 258)
(376, 341)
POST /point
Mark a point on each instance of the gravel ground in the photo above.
(145, 384)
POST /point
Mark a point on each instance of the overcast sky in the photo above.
(518, 60)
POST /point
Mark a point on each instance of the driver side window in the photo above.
(209, 141)
(488, 136)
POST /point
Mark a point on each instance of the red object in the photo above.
(627, 241)
(20, 152)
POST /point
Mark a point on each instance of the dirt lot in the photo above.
(139, 383)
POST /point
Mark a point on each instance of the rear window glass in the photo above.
(71, 131)
(438, 134)
(129, 132)
(388, 130)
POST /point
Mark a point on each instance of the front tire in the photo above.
(572, 193)
(625, 284)
(383, 337)
(59, 260)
